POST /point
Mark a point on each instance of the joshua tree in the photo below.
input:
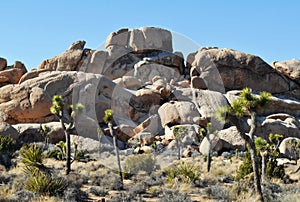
(247, 105)
(66, 116)
(179, 132)
(108, 118)
(205, 133)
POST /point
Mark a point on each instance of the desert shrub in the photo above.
(7, 148)
(32, 155)
(97, 191)
(183, 172)
(170, 195)
(272, 169)
(74, 194)
(218, 192)
(245, 168)
(137, 163)
(40, 179)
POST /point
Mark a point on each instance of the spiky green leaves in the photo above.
(57, 104)
(246, 103)
(108, 116)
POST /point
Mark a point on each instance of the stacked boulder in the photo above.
(150, 90)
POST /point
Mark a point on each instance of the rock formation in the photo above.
(150, 90)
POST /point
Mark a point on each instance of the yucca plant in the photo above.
(185, 172)
(247, 105)
(108, 119)
(45, 184)
(58, 108)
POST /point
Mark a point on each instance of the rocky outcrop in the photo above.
(289, 68)
(144, 38)
(236, 70)
(11, 74)
(150, 91)
(67, 61)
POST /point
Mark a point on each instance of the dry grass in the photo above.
(95, 182)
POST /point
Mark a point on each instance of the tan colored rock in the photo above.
(67, 61)
(151, 125)
(32, 74)
(119, 38)
(146, 71)
(11, 76)
(290, 68)
(3, 63)
(237, 70)
(29, 133)
(177, 113)
(157, 38)
(96, 63)
(21, 66)
(128, 82)
(136, 40)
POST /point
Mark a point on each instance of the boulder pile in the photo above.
(151, 89)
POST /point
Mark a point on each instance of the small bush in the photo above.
(45, 184)
(7, 148)
(184, 172)
(218, 192)
(245, 168)
(169, 195)
(136, 163)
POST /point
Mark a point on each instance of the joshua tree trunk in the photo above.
(68, 143)
(208, 158)
(68, 152)
(178, 147)
(250, 141)
(117, 153)
(254, 158)
(263, 166)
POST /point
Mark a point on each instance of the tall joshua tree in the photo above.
(108, 118)
(247, 105)
(66, 117)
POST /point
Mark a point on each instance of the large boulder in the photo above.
(287, 126)
(11, 74)
(30, 101)
(67, 61)
(3, 63)
(29, 133)
(144, 38)
(206, 103)
(288, 148)
(179, 112)
(290, 68)
(236, 70)
(7, 129)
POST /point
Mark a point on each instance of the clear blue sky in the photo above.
(32, 31)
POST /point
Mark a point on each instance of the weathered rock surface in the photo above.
(288, 127)
(7, 129)
(287, 148)
(236, 70)
(67, 61)
(289, 68)
(28, 133)
(141, 39)
(3, 63)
